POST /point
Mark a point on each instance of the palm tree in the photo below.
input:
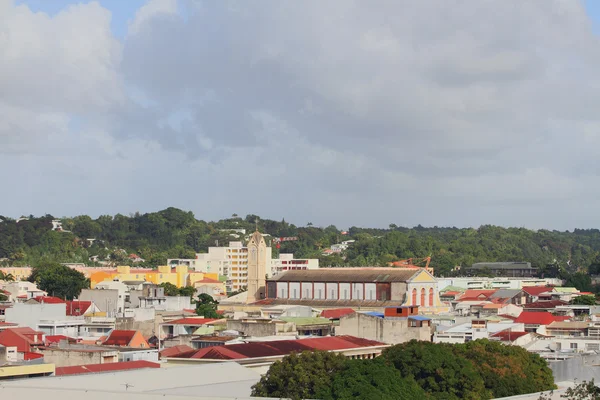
(6, 277)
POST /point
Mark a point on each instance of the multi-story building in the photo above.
(179, 276)
(230, 261)
(287, 262)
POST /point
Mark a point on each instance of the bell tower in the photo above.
(257, 267)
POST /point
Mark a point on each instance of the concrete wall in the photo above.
(580, 368)
(67, 358)
(145, 355)
(107, 300)
(31, 314)
(147, 328)
(386, 330)
(261, 329)
(177, 303)
(398, 291)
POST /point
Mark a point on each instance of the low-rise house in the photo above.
(79, 355)
(262, 354)
(200, 342)
(396, 325)
(476, 329)
(126, 338)
(261, 327)
(537, 293)
(334, 314)
(26, 340)
(186, 326)
(508, 296)
(534, 320)
(311, 326)
(515, 338)
(543, 305)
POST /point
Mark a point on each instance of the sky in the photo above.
(437, 112)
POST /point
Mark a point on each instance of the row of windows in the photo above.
(423, 298)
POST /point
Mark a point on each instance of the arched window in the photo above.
(414, 297)
(430, 297)
(422, 297)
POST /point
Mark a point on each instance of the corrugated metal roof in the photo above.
(282, 347)
(109, 367)
(336, 313)
(346, 275)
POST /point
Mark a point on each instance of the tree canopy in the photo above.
(206, 306)
(59, 280)
(585, 300)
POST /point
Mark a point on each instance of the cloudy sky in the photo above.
(432, 112)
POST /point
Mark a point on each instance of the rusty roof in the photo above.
(373, 275)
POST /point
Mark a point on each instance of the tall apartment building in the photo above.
(230, 261)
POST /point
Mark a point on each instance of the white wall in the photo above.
(31, 314)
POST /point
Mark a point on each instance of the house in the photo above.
(515, 338)
(391, 327)
(512, 269)
(261, 327)
(544, 305)
(536, 293)
(508, 296)
(78, 355)
(263, 354)
(213, 287)
(126, 338)
(78, 308)
(533, 320)
(311, 326)
(25, 340)
(185, 326)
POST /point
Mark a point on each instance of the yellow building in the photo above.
(18, 273)
(178, 276)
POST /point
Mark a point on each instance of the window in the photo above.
(294, 294)
(574, 346)
(414, 297)
(320, 293)
(423, 296)
(593, 346)
(430, 296)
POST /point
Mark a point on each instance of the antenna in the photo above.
(127, 386)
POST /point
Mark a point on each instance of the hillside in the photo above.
(173, 233)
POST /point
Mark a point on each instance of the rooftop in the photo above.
(336, 313)
(347, 275)
(190, 321)
(108, 367)
(538, 318)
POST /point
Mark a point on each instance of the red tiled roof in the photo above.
(109, 367)
(32, 356)
(336, 313)
(176, 351)
(77, 308)
(119, 338)
(537, 290)
(508, 336)
(477, 294)
(537, 318)
(281, 347)
(190, 321)
(21, 338)
(450, 293)
(48, 299)
(545, 304)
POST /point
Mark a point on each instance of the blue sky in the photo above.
(122, 10)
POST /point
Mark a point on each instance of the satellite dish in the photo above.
(553, 346)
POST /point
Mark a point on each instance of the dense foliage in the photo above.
(59, 281)
(415, 370)
(586, 390)
(206, 306)
(173, 233)
(172, 290)
(585, 300)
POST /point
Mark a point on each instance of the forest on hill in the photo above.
(173, 233)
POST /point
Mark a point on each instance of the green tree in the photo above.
(3, 297)
(59, 280)
(507, 370)
(586, 390)
(187, 291)
(307, 375)
(372, 379)
(170, 289)
(206, 306)
(6, 277)
(437, 370)
(585, 300)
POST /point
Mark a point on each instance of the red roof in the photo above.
(109, 367)
(176, 351)
(477, 294)
(32, 356)
(538, 318)
(209, 280)
(21, 338)
(507, 316)
(57, 338)
(48, 299)
(77, 308)
(537, 290)
(508, 336)
(190, 321)
(280, 347)
(545, 304)
(119, 338)
(336, 313)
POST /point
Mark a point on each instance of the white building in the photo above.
(287, 262)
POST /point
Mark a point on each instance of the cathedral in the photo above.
(257, 267)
